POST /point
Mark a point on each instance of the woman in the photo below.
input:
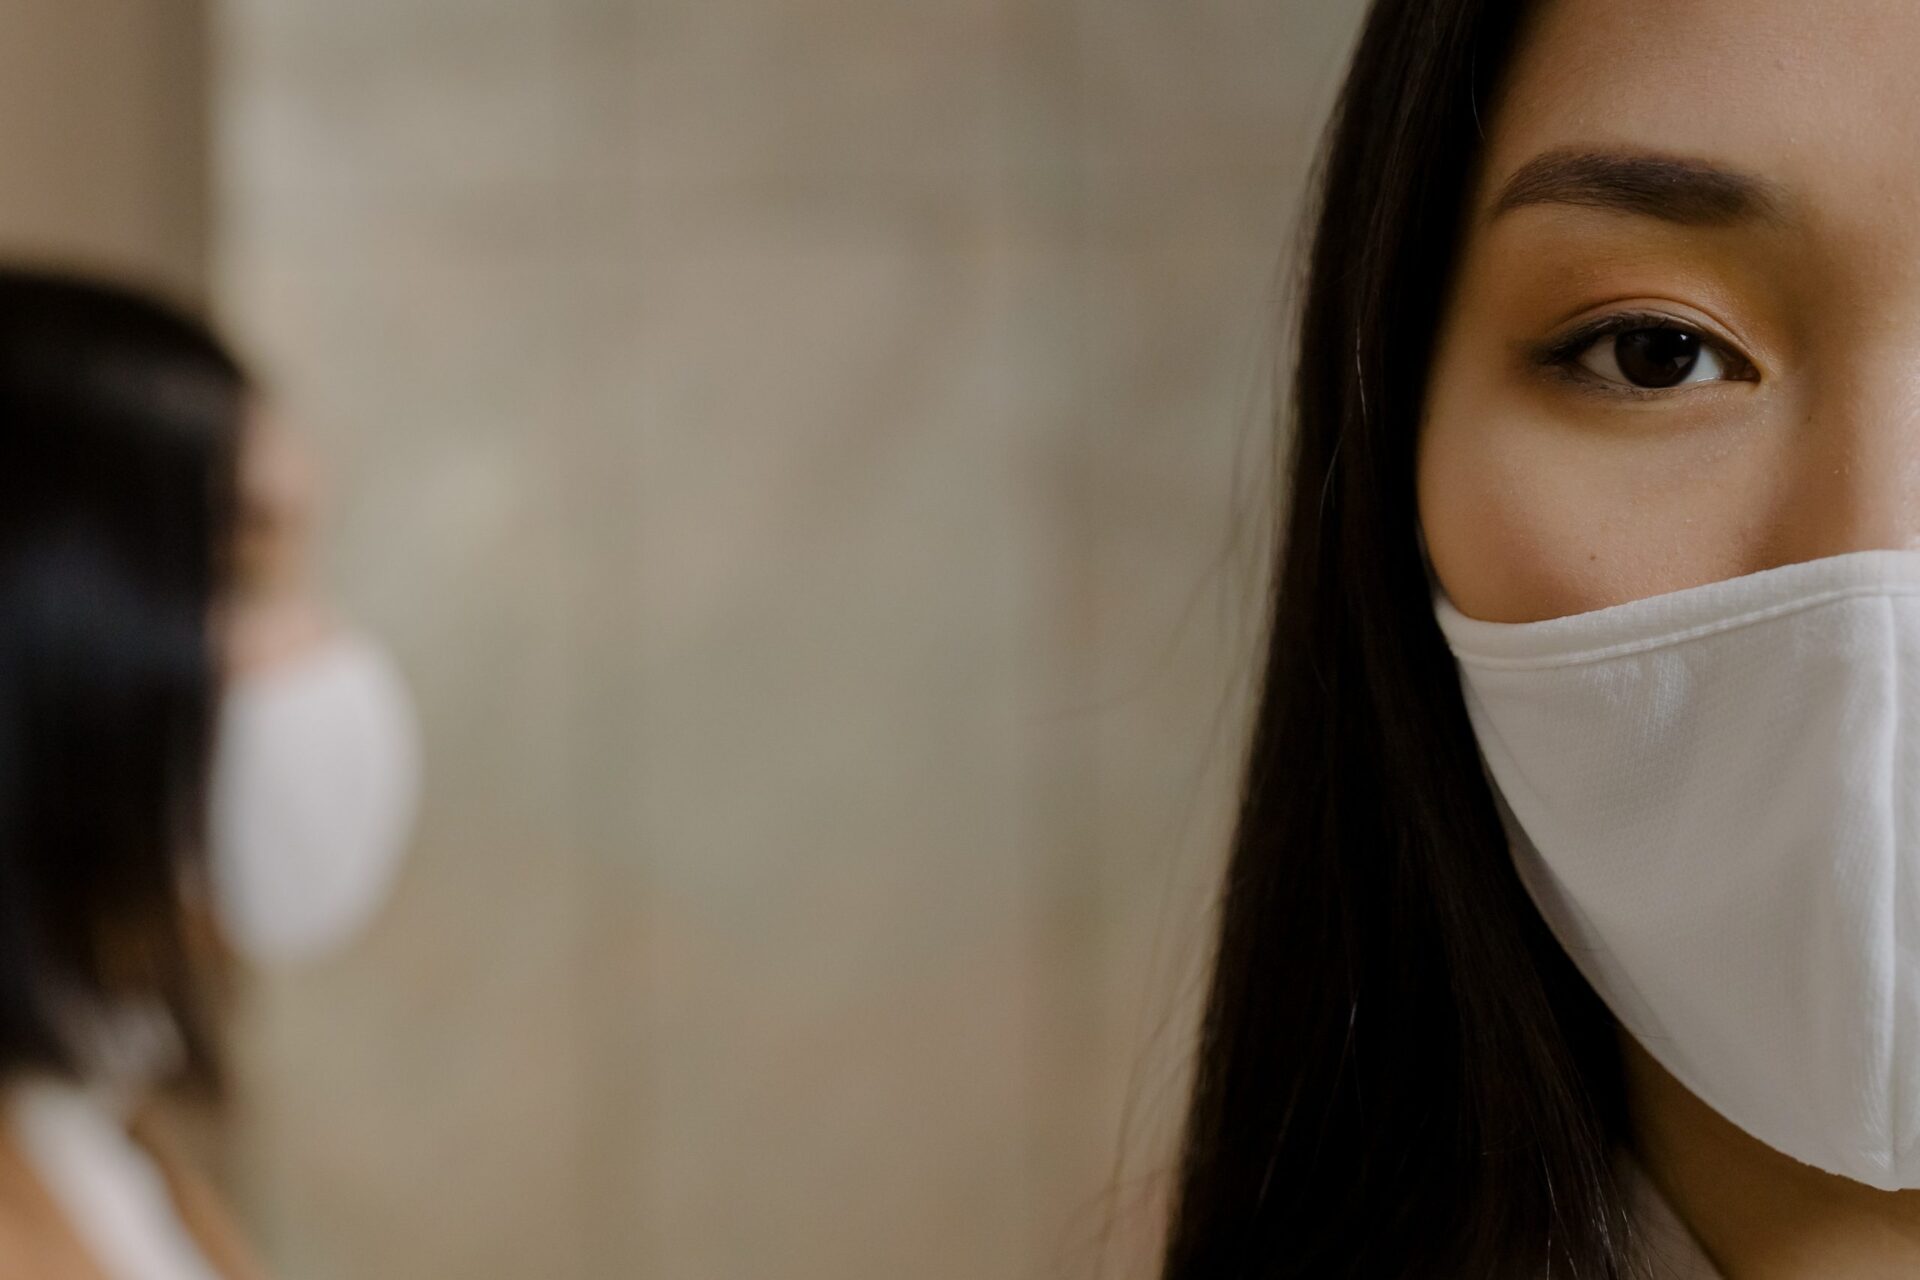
(1571, 924)
(120, 429)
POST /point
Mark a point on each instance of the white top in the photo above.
(113, 1195)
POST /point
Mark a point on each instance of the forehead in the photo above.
(1821, 95)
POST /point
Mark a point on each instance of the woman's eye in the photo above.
(1658, 357)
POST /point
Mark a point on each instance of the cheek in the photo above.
(1512, 535)
(1527, 519)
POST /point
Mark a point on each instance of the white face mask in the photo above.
(315, 782)
(1714, 799)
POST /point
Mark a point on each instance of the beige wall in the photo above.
(102, 136)
(809, 458)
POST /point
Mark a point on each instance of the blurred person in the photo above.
(184, 732)
(120, 425)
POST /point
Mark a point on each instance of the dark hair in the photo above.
(1400, 1072)
(119, 424)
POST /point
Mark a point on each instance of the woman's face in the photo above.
(1745, 173)
(274, 612)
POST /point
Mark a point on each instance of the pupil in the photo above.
(1656, 357)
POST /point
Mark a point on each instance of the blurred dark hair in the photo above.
(1400, 1072)
(119, 426)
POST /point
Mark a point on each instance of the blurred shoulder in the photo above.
(35, 1240)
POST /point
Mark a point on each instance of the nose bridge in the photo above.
(1859, 469)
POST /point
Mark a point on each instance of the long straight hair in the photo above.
(1400, 1072)
(120, 417)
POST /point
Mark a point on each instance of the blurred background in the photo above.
(812, 462)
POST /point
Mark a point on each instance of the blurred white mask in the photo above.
(315, 783)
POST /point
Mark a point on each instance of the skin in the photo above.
(1542, 495)
(277, 614)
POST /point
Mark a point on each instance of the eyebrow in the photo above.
(1675, 189)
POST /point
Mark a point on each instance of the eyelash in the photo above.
(1562, 355)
